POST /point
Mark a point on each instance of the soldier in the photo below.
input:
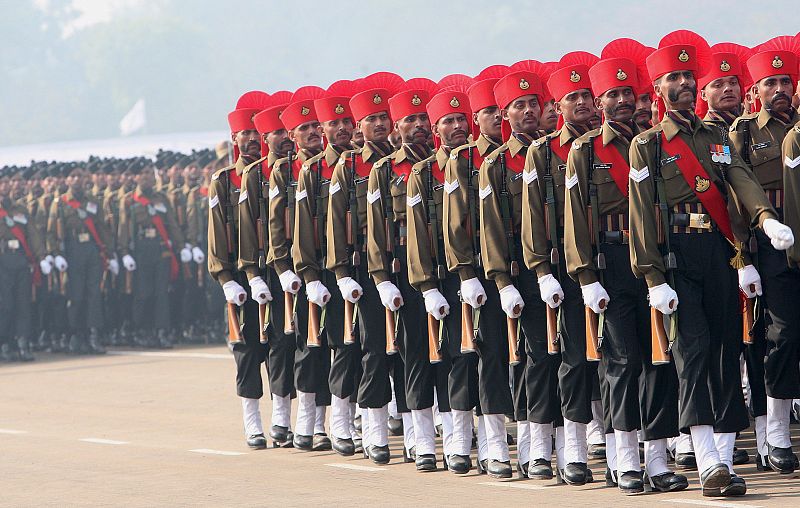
(758, 138)
(688, 185)
(595, 244)
(77, 235)
(350, 177)
(312, 364)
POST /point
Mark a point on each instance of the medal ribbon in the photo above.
(162, 232)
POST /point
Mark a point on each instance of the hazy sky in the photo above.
(73, 68)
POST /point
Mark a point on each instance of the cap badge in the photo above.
(621, 75)
(574, 77)
(416, 101)
(724, 66)
(304, 111)
(339, 109)
(701, 184)
(523, 84)
(376, 99)
(683, 56)
(454, 102)
(777, 62)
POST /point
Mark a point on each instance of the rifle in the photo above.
(288, 298)
(314, 326)
(234, 325)
(394, 263)
(661, 343)
(551, 228)
(435, 328)
(62, 276)
(594, 322)
(131, 244)
(353, 251)
(470, 316)
(512, 324)
(753, 308)
(261, 232)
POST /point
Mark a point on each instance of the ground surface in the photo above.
(164, 429)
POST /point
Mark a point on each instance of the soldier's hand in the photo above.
(749, 281)
(113, 266)
(511, 301)
(198, 255)
(391, 298)
(595, 297)
(128, 262)
(780, 235)
(290, 283)
(186, 253)
(45, 266)
(234, 293)
(472, 292)
(350, 289)
(61, 263)
(663, 298)
(317, 293)
(259, 290)
(550, 290)
(435, 304)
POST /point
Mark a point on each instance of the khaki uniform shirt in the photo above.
(253, 197)
(72, 224)
(791, 186)
(136, 221)
(223, 202)
(18, 216)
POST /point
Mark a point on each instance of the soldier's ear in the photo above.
(291, 135)
(703, 95)
(754, 91)
(233, 138)
(557, 106)
(504, 114)
(598, 103)
(475, 118)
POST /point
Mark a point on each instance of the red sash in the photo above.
(620, 168)
(561, 150)
(162, 232)
(515, 163)
(477, 158)
(437, 172)
(89, 223)
(692, 172)
(204, 191)
(20, 236)
(402, 170)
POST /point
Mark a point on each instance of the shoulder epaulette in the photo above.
(219, 172)
(254, 164)
(417, 168)
(742, 119)
(454, 153)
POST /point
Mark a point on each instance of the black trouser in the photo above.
(374, 390)
(151, 304)
(421, 377)
(251, 354)
(311, 364)
(754, 356)
(781, 286)
(281, 347)
(85, 301)
(707, 348)
(463, 377)
(342, 380)
(641, 395)
(15, 295)
(494, 392)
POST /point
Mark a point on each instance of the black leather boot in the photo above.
(23, 346)
(630, 482)
(95, 345)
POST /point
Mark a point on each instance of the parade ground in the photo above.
(163, 428)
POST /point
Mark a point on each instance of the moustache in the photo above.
(674, 94)
(781, 96)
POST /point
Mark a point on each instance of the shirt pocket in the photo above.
(767, 165)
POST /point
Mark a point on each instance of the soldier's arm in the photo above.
(219, 264)
(175, 233)
(278, 244)
(53, 241)
(376, 232)
(535, 245)
(337, 221)
(646, 260)
(577, 240)
(748, 191)
(419, 252)
(791, 189)
(35, 240)
(456, 214)
(192, 220)
(494, 247)
(304, 252)
(248, 211)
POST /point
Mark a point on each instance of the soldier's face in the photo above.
(375, 128)
(577, 107)
(338, 131)
(452, 129)
(490, 121)
(247, 141)
(414, 128)
(307, 136)
(617, 104)
(723, 94)
(395, 139)
(146, 179)
(278, 141)
(775, 93)
(77, 180)
(358, 138)
(549, 118)
(523, 114)
(678, 89)
(642, 115)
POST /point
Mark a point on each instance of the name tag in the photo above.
(602, 166)
(670, 159)
(759, 146)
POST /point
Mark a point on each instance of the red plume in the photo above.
(426, 84)
(386, 80)
(460, 82)
(341, 88)
(493, 71)
(255, 99)
(307, 92)
(280, 97)
(578, 58)
(782, 43)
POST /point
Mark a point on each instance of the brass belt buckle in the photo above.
(13, 244)
(699, 221)
(150, 233)
(83, 237)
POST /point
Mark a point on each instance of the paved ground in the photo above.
(164, 429)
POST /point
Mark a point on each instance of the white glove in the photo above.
(661, 297)
(511, 301)
(317, 293)
(594, 295)
(234, 293)
(113, 266)
(198, 255)
(435, 304)
(61, 263)
(45, 266)
(290, 283)
(186, 255)
(128, 262)
(259, 291)
(779, 234)
(551, 291)
(390, 295)
(348, 288)
(748, 276)
(50, 259)
(472, 292)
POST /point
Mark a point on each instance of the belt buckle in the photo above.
(699, 221)
(13, 244)
(150, 233)
(83, 237)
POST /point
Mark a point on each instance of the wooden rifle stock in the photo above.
(748, 321)
(128, 282)
(553, 344)
(312, 338)
(288, 313)
(262, 323)
(658, 338)
(391, 338)
(62, 278)
(349, 330)
(434, 355)
(201, 275)
(234, 328)
(512, 325)
(467, 329)
(593, 353)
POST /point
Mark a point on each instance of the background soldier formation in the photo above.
(587, 247)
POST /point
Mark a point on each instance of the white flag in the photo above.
(134, 120)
